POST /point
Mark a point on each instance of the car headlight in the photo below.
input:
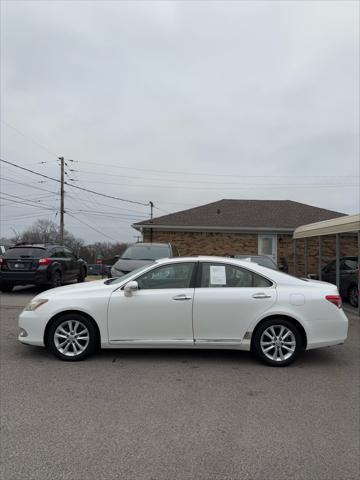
(34, 304)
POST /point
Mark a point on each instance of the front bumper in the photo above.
(34, 327)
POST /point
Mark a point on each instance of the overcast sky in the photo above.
(181, 103)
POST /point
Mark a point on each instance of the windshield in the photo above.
(29, 252)
(126, 276)
(146, 252)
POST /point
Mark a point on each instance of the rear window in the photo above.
(264, 262)
(146, 252)
(30, 252)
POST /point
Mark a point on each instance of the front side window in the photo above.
(221, 275)
(176, 275)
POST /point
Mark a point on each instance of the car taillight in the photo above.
(44, 261)
(335, 299)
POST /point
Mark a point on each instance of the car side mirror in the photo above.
(130, 288)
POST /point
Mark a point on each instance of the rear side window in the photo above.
(349, 264)
(28, 252)
(230, 276)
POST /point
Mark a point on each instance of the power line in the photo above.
(170, 180)
(74, 186)
(29, 138)
(92, 228)
(27, 185)
(235, 187)
(214, 174)
(42, 206)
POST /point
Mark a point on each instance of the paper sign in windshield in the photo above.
(217, 275)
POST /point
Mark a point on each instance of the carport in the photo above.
(337, 226)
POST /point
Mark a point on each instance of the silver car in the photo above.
(142, 254)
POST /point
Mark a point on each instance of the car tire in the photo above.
(6, 287)
(72, 337)
(56, 279)
(82, 275)
(353, 296)
(277, 342)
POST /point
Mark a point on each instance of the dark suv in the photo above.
(349, 273)
(51, 265)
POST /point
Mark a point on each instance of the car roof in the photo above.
(37, 245)
(150, 244)
(274, 275)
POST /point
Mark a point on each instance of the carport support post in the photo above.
(320, 257)
(294, 258)
(305, 256)
(337, 253)
(358, 271)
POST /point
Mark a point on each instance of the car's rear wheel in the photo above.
(353, 296)
(6, 287)
(72, 337)
(56, 279)
(277, 342)
(82, 275)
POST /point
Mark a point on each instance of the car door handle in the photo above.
(182, 297)
(261, 295)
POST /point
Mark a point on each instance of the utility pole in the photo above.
(62, 193)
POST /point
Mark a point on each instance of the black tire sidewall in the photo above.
(6, 287)
(257, 336)
(93, 342)
(353, 287)
(82, 275)
(57, 273)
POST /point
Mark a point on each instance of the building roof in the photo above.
(249, 215)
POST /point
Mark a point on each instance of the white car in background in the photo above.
(194, 302)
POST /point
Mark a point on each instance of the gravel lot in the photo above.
(165, 415)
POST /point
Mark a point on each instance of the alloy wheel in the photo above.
(278, 343)
(71, 338)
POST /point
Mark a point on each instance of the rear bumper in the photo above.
(327, 331)
(24, 278)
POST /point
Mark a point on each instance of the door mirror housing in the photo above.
(130, 288)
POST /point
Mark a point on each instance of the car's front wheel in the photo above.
(72, 337)
(277, 342)
(353, 296)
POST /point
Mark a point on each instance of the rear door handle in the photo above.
(261, 295)
(182, 297)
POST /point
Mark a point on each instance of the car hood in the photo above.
(128, 265)
(75, 287)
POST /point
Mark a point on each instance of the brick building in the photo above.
(250, 227)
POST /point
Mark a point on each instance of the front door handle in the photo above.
(261, 295)
(182, 297)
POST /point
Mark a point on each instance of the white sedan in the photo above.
(195, 302)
